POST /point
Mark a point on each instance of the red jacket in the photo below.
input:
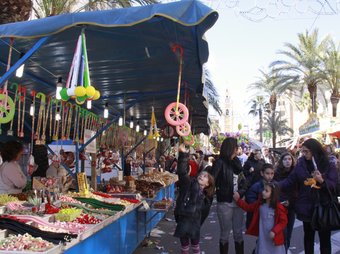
(194, 168)
(280, 220)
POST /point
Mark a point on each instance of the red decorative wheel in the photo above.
(184, 129)
(178, 117)
(168, 131)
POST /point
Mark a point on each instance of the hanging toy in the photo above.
(153, 133)
(189, 140)
(16, 91)
(177, 113)
(79, 68)
(7, 106)
(21, 119)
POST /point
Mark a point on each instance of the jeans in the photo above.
(325, 239)
(289, 229)
(230, 217)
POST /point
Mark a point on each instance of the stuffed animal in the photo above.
(311, 182)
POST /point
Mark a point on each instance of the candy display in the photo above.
(68, 199)
(68, 227)
(87, 219)
(162, 204)
(98, 204)
(25, 242)
(14, 206)
(5, 198)
(87, 209)
(68, 214)
(19, 227)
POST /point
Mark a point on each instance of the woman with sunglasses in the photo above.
(312, 165)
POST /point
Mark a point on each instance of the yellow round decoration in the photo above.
(80, 91)
(96, 95)
(90, 91)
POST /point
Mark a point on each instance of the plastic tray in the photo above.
(54, 250)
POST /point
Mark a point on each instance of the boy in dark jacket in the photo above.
(253, 193)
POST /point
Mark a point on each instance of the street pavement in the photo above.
(162, 241)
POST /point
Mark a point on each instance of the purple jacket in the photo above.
(306, 199)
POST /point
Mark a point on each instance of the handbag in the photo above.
(326, 216)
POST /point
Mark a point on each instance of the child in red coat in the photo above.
(269, 220)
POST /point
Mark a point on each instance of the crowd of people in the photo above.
(259, 193)
(273, 192)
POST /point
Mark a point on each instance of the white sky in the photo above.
(240, 47)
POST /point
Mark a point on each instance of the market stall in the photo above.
(129, 65)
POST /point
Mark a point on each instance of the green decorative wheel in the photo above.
(6, 111)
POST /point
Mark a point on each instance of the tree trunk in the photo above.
(261, 124)
(274, 139)
(273, 101)
(334, 100)
(312, 89)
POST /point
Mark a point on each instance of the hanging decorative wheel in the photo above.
(7, 111)
(168, 131)
(184, 129)
(178, 117)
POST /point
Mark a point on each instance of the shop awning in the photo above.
(130, 56)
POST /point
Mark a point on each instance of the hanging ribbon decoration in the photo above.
(41, 115)
(45, 121)
(16, 91)
(31, 162)
(22, 100)
(84, 91)
(7, 106)
(56, 124)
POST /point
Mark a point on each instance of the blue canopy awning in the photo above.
(129, 52)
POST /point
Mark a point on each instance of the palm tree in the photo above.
(330, 73)
(46, 8)
(267, 84)
(258, 107)
(302, 68)
(14, 11)
(210, 92)
(276, 126)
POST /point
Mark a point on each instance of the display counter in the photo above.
(123, 235)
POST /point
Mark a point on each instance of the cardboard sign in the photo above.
(145, 205)
(91, 148)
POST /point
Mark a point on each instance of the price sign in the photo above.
(145, 205)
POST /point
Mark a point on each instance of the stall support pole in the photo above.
(123, 160)
(136, 145)
(93, 171)
(22, 60)
(77, 156)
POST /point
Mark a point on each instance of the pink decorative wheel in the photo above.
(178, 117)
(184, 129)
